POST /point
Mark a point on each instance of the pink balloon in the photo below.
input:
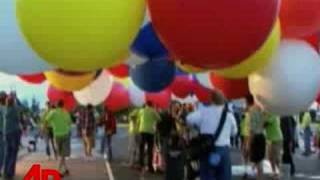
(33, 78)
(160, 100)
(55, 95)
(182, 86)
(118, 98)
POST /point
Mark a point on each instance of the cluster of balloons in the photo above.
(268, 48)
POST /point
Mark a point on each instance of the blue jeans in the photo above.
(9, 147)
(222, 171)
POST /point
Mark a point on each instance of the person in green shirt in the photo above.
(257, 140)
(60, 121)
(275, 139)
(147, 119)
(134, 137)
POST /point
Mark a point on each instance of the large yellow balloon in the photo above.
(256, 61)
(189, 68)
(80, 35)
(69, 82)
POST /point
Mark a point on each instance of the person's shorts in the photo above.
(275, 151)
(63, 145)
(257, 148)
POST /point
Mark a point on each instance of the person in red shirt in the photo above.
(110, 128)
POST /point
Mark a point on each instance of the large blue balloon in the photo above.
(154, 75)
(147, 44)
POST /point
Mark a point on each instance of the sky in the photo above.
(24, 90)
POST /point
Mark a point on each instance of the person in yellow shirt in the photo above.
(47, 131)
(148, 118)
(307, 133)
(245, 137)
(134, 137)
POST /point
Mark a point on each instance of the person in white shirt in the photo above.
(207, 119)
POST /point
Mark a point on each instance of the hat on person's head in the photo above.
(60, 103)
(10, 100)
(149, 103)
(3, 94)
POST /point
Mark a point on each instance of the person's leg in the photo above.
(271, 157)
(53, 144)
(103, 143)
(223, 171)
(13, 142)
(292, 165)
(137, 143)
(206, 172)
(245, 153)
(66, 153)
(90, 144)
(259, 167)
(131, 149)
(85, 149)
(2, 153)
(142, 147)
(47, 142)
(307, 142)
(278, 151)
(109, 146)
(150, 145)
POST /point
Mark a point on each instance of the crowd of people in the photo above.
(184, 141)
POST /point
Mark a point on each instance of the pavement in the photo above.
(81, 169)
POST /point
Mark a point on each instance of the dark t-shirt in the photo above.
(288, 128)
(165, 125)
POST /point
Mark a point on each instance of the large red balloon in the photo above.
(55, 95)
(231, 88)
(213, 34)
(182, 86)
(33, 78)
(118, 98)
(300, 18)
(161, 99)
(120, 71)
(313, 40)
(202, 93)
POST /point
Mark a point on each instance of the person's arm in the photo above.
(194, 118)
(48, 118)
(234, 126)
(157, 115)
(69, 121)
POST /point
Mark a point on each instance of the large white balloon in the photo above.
(97, 91)
(290, 83)
(136, 95)
(204, 80)
(16, 57)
